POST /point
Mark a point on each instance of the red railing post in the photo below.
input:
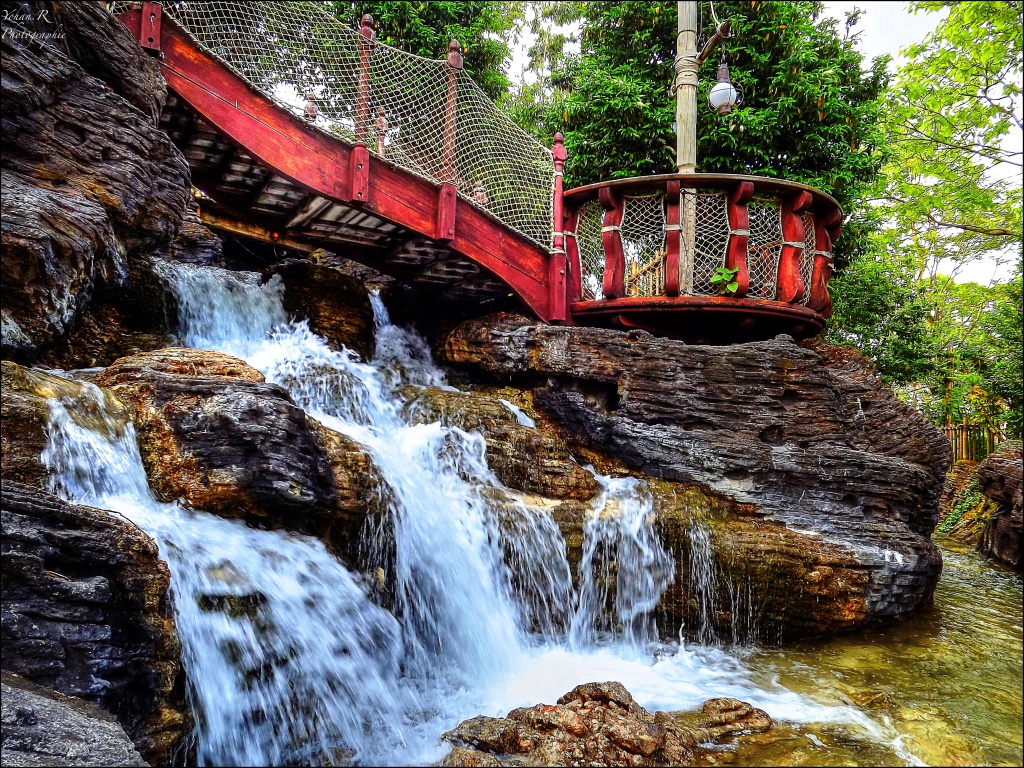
(614, 285)
(149, 27)
(673, 230)
(790, 286)
(557, 284)
(739, 234)
(367, 41)
(455, 64)
(826, 228)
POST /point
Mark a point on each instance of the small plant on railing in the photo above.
(724, 280)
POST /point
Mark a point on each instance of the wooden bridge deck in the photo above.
(272, 175)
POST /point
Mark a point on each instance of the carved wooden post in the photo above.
(614, 286)
(557, 295)
(739, 234)
(367, 42)
(455, 63)
(673, 226)
(790, 286)
(826, 229)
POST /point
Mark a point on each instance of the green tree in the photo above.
(810, 115)
(949, 194)
(484, 29)
(951, 187)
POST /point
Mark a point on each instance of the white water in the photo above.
(484, 617)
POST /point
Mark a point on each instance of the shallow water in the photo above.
(949, 678)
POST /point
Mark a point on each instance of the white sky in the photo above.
(885, 28)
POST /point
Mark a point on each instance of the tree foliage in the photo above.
(951, 188)
(811, 114)
(484, 30)
(949, 194)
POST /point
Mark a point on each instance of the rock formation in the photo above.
(335, 304)
(1000, 480)
(598, 724)
(43, 727)
(89, 180)
(86, 612)
(212, 432)
(824, 474)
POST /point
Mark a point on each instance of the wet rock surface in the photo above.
(88, 178)
(530, 459)
(336, 305)
(140, 317)
(24, 393)
(801, 437)
(598, 724)
(42, 727)
(1000, 480)
(213, 432)
(86, 612)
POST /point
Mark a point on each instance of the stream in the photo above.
(290, 661)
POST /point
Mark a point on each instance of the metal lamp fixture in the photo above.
(724, 95)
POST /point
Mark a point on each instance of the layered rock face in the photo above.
(86, 612)
(1000, 480)
(89, 179)
(43, 727)
(213, 433)
(819, 488)
(598, 724)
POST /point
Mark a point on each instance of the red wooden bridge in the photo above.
(308, 134)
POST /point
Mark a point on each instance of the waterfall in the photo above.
(621, 552)
(289, 661)
(703, 580)
(272, 680)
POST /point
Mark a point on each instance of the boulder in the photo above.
(804, 441)
(529, 459)
(86, 612)
(599, 724)
(360, 491)
(336, 305)
(88, 177)
(212, 432)
(43, 727)
(23, 429)
(140, 317)
(195, 243)
(999, 479)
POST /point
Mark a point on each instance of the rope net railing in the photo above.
(420, 114)
(643, 231)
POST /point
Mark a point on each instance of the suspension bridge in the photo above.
(304, 132)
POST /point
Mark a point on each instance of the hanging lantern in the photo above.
(724, 95)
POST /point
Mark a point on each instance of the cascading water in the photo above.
(272, 680)
(619, 534)
(703, 580)
(289, 661)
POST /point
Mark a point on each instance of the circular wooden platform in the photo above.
(702, 319)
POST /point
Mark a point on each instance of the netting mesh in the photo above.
(400, 104)
(764, 248)
(711, 238)
(643, 245)
(807, 257)
(591, 248)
